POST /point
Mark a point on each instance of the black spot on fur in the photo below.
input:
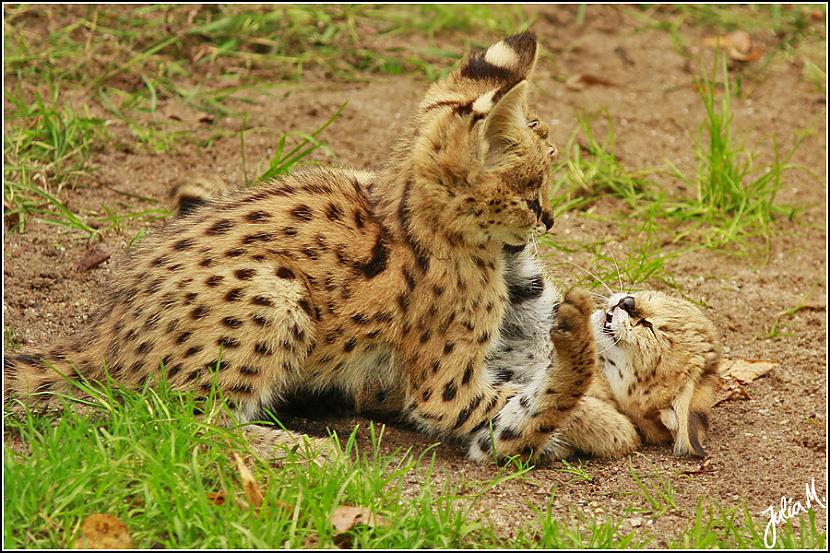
(377, 263)
(144, 347)
(249, 370)
(214, 280)
(244, 274)
(262, 300)
(174, 370)
(234, 295)
(361, 319)
(200, 312)
(334, 212)
(227, 342)
(263, 349)
(232, 322)
(258, 217)
(532, 289)
(258, 237)
(305, 306)
(216, 365)
(465, 414)
(189, 204)
(403, 302)
(302, 213)
(350, 345)
(449, 391)
(410, 279)
(191, 351)
(286, 273)
(235, 252)
(513, 249)
(260, 320)
(219, 227)
(183, 337)
(468, 374)
(508, 434)
(183, 244)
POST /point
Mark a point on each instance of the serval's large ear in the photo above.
(504, 120)
(506, 62)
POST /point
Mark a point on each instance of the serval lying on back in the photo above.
(417, 278)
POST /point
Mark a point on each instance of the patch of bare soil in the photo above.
(761, 448)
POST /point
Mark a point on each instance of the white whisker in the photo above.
(610, 291)
(619, 276)
(611, 346)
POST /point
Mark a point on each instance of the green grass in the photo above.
(282, 162)
(146, 458)
(589, 169)
(657, 493)
(149, 461)
(46, 150)
(128, 60)
(735, 198)
(718, 527)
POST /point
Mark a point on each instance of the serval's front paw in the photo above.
(573, 319)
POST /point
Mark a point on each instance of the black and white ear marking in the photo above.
(510, 60)
(553, 152)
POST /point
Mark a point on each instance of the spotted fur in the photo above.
(659, 358)
(415, 279)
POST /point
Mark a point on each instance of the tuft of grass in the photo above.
(282, 162)
(591, 169)
(10, 341)
(717, 527)
(46, 149)
(658, 497)
(734, 200)
(148, 458)
(578, 471)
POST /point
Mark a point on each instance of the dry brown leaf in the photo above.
(737, 373)
(704, 468)
(582, 80)
(738, 46)
(248, 483)
(731, 390)
(217, 498)
(101, 531)
(745, 370)
(346, 517)
(94, 256)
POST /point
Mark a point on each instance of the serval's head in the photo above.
(478, 158)
(660, 356)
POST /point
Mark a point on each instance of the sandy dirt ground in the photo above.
(761, 448)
